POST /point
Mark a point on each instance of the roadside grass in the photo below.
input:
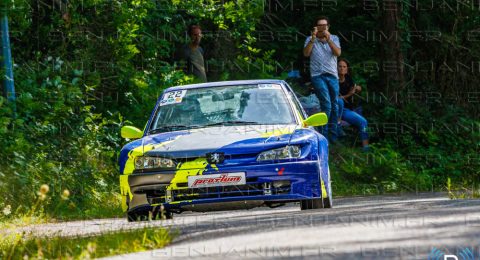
(105, 205)
(382, 170)
(464, 193)
(23, 246)
(457, 191)
(385, 171)
(26, 245)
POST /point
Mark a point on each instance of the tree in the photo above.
(392, 57)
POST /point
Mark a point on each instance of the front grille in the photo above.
(157, 196)
(243, 156)
(182, 184)
(253, 189)
(158, 200)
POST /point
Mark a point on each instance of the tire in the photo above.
(159, 213)
(319, 203)
(311, 204)
(328, 201)
(147, 215)
(168, 215)
(138, 216)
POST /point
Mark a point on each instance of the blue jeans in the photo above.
(354, 118)
(326, 89)
(340, 106)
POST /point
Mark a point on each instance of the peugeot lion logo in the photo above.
(215, 158)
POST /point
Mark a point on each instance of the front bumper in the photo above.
(265, 183)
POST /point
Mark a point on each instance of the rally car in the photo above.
(225, 145)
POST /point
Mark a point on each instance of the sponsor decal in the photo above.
(213, 180)
(269, 86)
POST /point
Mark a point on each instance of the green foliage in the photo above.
(415, 148)
(57, 139)
(381, 170)
(80, 79)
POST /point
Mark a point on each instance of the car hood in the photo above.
(229, 139)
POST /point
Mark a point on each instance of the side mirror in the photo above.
(318, 119)
(131, 132)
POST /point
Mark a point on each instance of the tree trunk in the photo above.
(392, 64)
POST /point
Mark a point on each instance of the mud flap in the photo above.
(125, 191)
(138, 200)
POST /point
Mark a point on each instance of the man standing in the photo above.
(323, 49)
(193, 54)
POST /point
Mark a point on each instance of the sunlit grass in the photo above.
(457, 191)
(21, 246)
(104, 205)
(26, 245)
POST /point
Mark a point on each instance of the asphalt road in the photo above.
(377, 227)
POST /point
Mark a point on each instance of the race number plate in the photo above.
(173, 97)
(215, 180)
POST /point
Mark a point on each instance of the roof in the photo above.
(227, 83)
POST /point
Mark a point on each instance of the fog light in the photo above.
(281, 184)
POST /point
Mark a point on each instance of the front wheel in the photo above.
(138, 216)
(148, 215)
(161, 213)
(322, 202)
(328, 201)
(168, 215)
(311, 204)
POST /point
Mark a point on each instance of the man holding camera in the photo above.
(323, 49)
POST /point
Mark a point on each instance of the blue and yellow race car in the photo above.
(225, 145)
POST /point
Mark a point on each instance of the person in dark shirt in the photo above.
(193, 54)
(348, 108)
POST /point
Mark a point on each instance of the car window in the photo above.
(259, 104)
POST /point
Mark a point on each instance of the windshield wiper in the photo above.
(234, 122)
(171, 127)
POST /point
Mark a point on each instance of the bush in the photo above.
(57, 139)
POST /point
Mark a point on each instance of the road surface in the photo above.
(376, 227)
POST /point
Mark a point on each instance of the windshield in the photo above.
(264, 104)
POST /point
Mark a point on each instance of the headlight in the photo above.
(153, 163)
(287, 152)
